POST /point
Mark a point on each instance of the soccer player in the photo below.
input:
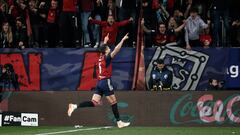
(104, 84)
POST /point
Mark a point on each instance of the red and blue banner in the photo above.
(75, 69)
(65, 69)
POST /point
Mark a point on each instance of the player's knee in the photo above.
(97, 103)
(113, 102)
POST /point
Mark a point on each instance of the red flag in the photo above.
(139, 71)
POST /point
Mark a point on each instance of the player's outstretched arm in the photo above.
(119, 46)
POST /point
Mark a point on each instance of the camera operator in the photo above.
(8, 78)
(214, 84)
(161, 77)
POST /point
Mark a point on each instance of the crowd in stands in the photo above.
(84, 23)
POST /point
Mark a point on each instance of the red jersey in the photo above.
(51, 18)
(105, 67)
(161, 39)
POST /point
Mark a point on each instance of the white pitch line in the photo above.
(75, 130)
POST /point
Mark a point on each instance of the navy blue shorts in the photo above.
(104, 87)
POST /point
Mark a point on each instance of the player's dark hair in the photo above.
(102, 48)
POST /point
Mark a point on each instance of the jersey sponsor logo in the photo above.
(186, 66)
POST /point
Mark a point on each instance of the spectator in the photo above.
(221, 9)
(194, 25)
(86, 7)
(12, 9)
(206, 39)
(37, 17)
(188, 6)
(52, 24)
(161, 12)
(4, 15)
(161, 77)
(100, 12)
(203, 8)
(6, 36)
(164, 35)
(68, 24)
(21, 34)
(101, 8)
(212, 84)
(178, 17)
(236, 33)
(150, 21)
(125, 10)
(161, 37)
(174, 31)
(111, 27)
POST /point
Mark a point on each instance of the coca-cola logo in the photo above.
(206, 109)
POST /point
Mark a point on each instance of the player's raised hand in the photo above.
(125, 37)
(106, 39)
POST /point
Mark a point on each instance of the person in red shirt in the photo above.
(206, 38)
(111, 27)
(104, 84)
(161, 37)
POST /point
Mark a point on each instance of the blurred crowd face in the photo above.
(145, 4)
(162, 28)
(206, 44)
(18, 24)
(32, 4)
(54, 4)
(176, 13)
(110, 20)
(172, 22)
(3, 7)
(193, 15)
(5, 27)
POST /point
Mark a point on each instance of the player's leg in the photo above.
(96, 100)
(113, 101)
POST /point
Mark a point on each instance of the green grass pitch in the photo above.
(52, 130)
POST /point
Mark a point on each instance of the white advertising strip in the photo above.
(29, 119)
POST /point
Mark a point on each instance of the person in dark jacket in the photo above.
(161, 77)
(8, 78)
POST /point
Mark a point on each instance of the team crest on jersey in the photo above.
(186, 66)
